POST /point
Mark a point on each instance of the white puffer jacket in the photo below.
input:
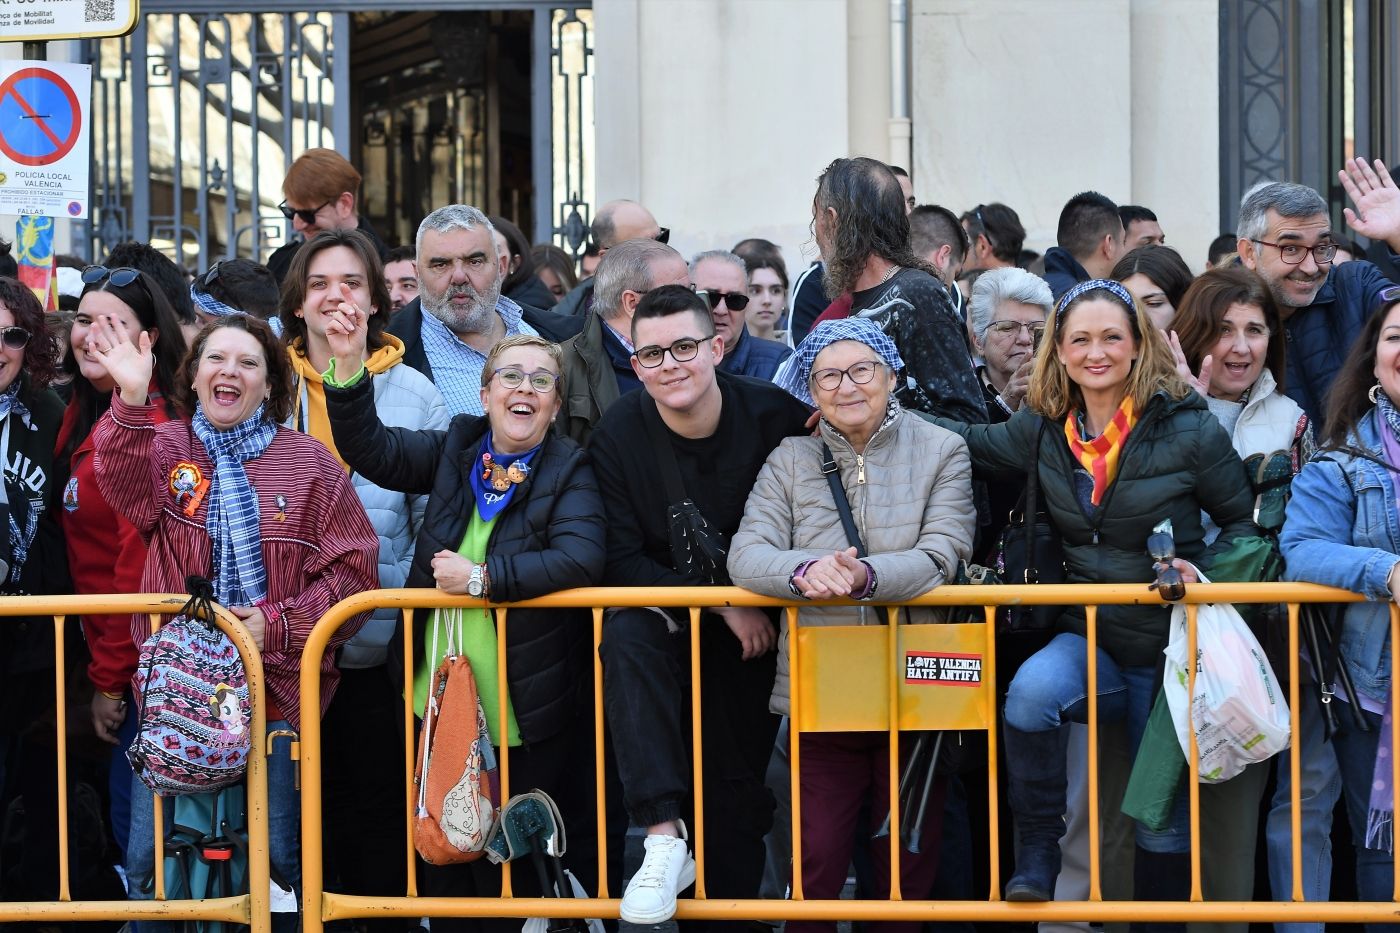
(911, 497)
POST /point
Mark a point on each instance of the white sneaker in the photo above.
(667, 869)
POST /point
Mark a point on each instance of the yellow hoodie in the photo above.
(309, 394)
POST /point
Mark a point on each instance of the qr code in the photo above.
(99, 11)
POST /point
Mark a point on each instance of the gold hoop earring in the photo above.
(1374, 394)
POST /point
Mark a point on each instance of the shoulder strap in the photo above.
(843, 505)
(665, 455)
(1029, 518)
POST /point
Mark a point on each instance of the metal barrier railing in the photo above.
(896, 709)
(252, 908)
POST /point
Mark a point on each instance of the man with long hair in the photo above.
(861, 225)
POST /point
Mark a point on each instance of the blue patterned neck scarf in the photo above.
(240, 579)
(24, 518)
(490, 501)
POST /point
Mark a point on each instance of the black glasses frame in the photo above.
(308, 216)
(682, 357)
(734, 301)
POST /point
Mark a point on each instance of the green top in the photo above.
(474, 632)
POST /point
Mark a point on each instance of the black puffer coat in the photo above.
(1177, 461)
(550, 537)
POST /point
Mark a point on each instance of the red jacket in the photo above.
(105, 555)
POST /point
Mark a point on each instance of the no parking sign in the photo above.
(44, 143)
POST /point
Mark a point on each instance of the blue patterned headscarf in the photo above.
(795, 375)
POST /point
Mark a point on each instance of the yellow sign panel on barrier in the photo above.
(843, 673)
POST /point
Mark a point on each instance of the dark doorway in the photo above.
(440, 103)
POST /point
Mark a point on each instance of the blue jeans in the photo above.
(1321, 785)
(1052, 689)
(119, 776)
(284, 824)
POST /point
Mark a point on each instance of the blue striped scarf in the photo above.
(240, 579)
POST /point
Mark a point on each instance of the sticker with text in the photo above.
(959, 670)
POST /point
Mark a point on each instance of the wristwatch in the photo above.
(476, 583)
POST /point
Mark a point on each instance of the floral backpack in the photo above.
(193, 716)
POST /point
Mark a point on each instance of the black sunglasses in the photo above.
(664, 236)
(308, 217)
(734, 301)
(120, 277)
(211, 276)
(14, 338)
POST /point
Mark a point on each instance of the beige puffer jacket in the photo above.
(911, 497)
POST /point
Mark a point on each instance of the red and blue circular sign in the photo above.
(40, 117)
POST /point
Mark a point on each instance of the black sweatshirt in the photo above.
(718, 473)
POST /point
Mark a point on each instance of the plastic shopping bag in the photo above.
(1239, 714)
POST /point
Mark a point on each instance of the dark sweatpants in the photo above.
(646, 691)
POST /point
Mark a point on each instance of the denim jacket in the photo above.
(1342, 530)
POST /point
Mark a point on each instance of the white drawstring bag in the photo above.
(1240, 712)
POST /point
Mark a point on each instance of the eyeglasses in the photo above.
(859, 374)
(121, 277)
(734, 301)
(664, 236)
(541, 380)
(682, 351)
(1293, 253)
(211, 276)
(1035, 330)
(308, 217)
(14, 338)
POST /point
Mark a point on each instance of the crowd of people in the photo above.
(487, 417)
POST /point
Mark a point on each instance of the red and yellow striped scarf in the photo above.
(1100, 455)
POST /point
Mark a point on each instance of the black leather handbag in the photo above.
(1031, 550)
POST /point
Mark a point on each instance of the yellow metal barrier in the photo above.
(903, 697)
(251, 909)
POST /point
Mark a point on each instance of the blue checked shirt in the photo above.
(456, 366)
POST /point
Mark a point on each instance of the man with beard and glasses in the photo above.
(1284, 234)
(460, 314)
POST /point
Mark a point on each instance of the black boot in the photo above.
(1035, 767)
(1160, 876)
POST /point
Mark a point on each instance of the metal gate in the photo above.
(199, 112)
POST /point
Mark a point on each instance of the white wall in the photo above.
(1028, 103)
(1022, 102)
(1176, 121)
(718, 115)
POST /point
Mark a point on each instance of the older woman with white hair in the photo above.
(1007, 313)
(905, 490)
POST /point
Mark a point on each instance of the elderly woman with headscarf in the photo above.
(909, 489)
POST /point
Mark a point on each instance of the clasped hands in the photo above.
(833, 576)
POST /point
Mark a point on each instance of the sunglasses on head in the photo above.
(14, 338)
(664, 236)
(734, 301)
(120, 277)
(308, 217)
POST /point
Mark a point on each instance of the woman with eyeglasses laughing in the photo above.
(105, 553)
(513, 512)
